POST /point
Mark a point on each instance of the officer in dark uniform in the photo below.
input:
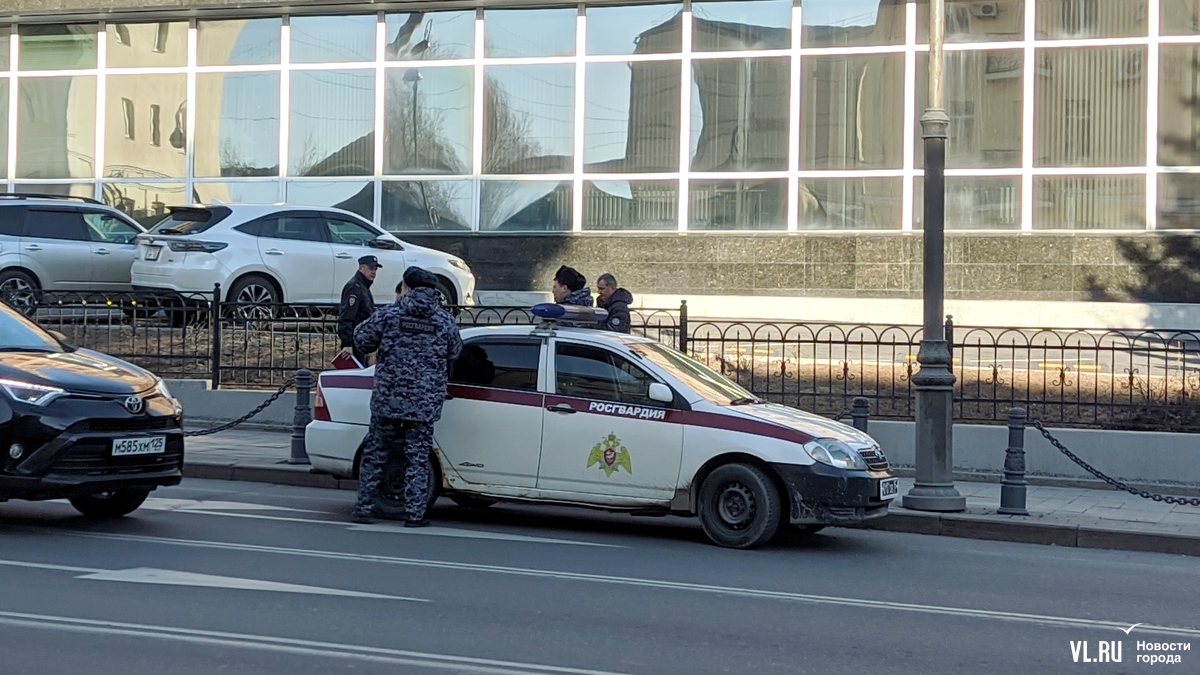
(357, 305)
(417, 342)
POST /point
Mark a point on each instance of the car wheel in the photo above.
(447, 296)
(19, 290)
(739, 506)
(109, 504)
(254, 297)
(471, 501)
(390, 502)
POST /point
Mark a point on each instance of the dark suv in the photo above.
(81, 425)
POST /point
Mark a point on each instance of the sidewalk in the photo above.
(1086, 518)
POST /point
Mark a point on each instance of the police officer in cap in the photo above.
(417, 342)
(357, 305)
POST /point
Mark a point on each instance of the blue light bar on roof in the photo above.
(574, 313)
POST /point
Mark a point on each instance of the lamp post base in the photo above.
(933, 489)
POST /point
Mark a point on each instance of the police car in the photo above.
(562, 413)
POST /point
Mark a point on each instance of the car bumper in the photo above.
(824, 495)
(75, 464)
(333, 446)
(180, 279)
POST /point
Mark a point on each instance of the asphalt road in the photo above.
(217, 577)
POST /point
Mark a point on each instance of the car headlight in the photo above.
(835, 453)
(455, 262)
(162, 390)
(33, 394)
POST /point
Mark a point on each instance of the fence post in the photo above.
(214, 322)
(859, 412)
(1012, 488)
(950, 337)
(302, 417)
(683, 326)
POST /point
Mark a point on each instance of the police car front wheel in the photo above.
(739, 506)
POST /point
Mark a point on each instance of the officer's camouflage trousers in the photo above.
(415, 441)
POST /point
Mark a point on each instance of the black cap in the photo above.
(570, 277)
(416, 277)
(369, 260)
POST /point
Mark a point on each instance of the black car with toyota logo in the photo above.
(80, 425)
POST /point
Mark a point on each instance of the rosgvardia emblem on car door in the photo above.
(610, 455)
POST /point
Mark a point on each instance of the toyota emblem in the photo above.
(134, 404)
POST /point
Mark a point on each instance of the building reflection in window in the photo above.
(751, 204)
(538, 206)
(237, 125)
(631, 205)
(427, 205)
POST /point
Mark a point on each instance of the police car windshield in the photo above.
(713, 386)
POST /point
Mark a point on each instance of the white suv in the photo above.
(267, 254)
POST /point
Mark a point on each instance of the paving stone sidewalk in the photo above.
(1089, 518)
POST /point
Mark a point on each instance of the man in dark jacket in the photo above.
(417, 341)
(570, 288)
(357, 305)
(615, 301)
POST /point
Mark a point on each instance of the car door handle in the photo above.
(273, 251)
(33, 247)
(344, 256)
(561, 408)
(101, 251)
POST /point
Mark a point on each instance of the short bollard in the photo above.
(302, 418)
(1012, 488)
(859, 412)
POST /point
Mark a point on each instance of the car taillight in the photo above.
(320, 410)
(197, 246)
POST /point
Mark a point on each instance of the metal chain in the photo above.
(846, 412)
(1184, 501)
(261, 407)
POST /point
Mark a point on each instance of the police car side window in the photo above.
(594, 373)
(501, 364)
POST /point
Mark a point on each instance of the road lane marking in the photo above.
(165, 504)
(1019, 617)
(460, 664)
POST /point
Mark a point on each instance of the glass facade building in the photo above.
(701, 116)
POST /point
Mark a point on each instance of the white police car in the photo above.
(562, 414)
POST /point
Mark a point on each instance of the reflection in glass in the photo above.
(148, 45)
(529, 32)
(851, 203)
(144, 137)
(853, 23)
(430, 35)
(850, 117)
(741, 24)
(65, 189)
(1090, 107)
(974, 203)
(427, 205)
(243, 192)
(146, 203)
(237, 124)
(56, 127)
(332, 123)
(5, 33)
(353, 196)
(1066, 19)
(238, 42)
(1179, 17)
(996, 21)
(631, 117)
(983, 100)
(754, 204)
(435, 135)
(639, 29)
(1179, 106)
(631, 205)
(3, 128)
(1179, 201)
(58, 46)
(1089, 202)
(529, 119)
(740, 114)
(524, 206)
(328, 39)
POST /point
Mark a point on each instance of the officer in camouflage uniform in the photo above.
(417, 341)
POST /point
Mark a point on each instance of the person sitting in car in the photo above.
(570, 288)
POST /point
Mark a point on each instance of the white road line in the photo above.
(460, 664)
(164, 504)
(1059, 621)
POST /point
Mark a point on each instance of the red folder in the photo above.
(346, 362)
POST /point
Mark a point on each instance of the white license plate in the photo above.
(124, 447)
(152, 252)
(889, 488)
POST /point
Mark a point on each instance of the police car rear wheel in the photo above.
(390, 501)
(739, 506)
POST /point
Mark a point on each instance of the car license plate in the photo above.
(889, 488)
(152, 252)
(124, 447)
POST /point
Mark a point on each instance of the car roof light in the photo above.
(570, 314)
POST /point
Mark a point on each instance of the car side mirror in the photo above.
(661, 393)
(386, 243)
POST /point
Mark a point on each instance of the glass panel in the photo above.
(150, 45)
(56, 127)
(1179, 17)
(144, 202)
(3, 128)
(1089, 203)
(430, 35)
(266, 192)
(853, 23)
(427, 205)
(353, 196)
(529, 32)
(851, 116)
(1066, 19)
(328, 39)
(237, 124)
(1090, 107)
(996, 21)
(541, 206)
(851, 203)
(1179, 201)
(58, 47)
(238, 42)
(529, 119)
(975, 203)
(740, 114)
(1179, 106)
(65, 189)
(5, 34)
(631, 117)
(332, 123)
(435, 135)
(642, 29)
(144, 135)
(741, 25)
(631, 205)
(983, 100)
(756, 204)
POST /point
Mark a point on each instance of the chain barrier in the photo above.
(261, 407)
(1183, 501)
(846, 412)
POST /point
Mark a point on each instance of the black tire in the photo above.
(449, 298)
(109, 504)
(471, 501)
(809, 529)
(19, 289)
(739, 507)
(389, 504)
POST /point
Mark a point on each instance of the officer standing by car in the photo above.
(357, 305)
(417, 341)
(615, 301)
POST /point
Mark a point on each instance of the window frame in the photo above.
(540, 379)
(84, 213)
(653, 377)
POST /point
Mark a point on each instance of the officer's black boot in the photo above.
(424, 522)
